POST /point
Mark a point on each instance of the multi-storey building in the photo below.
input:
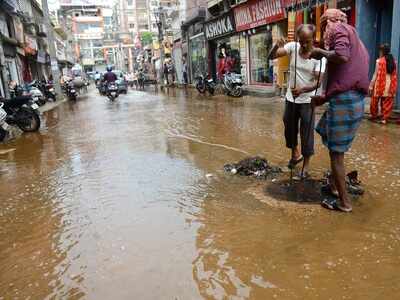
(87, 21)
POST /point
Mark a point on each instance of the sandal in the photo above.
(332, 204)
(303, 176)
(294, 162)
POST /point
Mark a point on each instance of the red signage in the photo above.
(256, 13)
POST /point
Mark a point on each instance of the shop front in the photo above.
(194, 44)
(254, 21)
(223, 40)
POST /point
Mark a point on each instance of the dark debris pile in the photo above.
(253, 166)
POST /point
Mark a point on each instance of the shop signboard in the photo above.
(220, 26)
(255, 13)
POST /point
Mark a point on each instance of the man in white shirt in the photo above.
(304, 74)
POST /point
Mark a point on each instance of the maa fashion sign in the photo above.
(219, 27)
(256, 13)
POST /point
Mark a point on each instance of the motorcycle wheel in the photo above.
(211, 90)
(27, 120)
(201, 87)
(237, 91)
(3, 134)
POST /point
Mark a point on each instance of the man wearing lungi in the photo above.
(347, 85)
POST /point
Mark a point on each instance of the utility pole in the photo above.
(52, 47)
(160, 25)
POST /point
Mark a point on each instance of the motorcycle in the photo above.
(22, 112)
(70, 91)
(3, 123)
(204, 83)
(102, 87)
(112, 91)
(233, 83)
(141, 80)
(48, 91)
(36, 90)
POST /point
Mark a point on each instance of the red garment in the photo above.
(221, 67)
(386, 107)
(224, 66)
(380, 82)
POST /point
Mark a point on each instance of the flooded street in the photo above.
(129, 200)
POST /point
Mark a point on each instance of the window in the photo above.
(261, 70)
(131, 25)
(130, 2)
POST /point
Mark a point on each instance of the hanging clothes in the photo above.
(299, 18)
(306, 16)
(318, 22)
(291, 25)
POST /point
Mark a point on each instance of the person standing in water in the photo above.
(298, 110)
(347, 85)
(383, 85)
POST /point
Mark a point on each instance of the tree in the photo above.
(146, 38)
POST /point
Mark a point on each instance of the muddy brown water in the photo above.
(129, 200)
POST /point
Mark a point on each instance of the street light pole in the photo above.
(52, 48)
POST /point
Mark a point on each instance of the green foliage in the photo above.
(146, 38)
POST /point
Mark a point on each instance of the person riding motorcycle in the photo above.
(110, 76)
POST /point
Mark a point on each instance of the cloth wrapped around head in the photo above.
(329, 20)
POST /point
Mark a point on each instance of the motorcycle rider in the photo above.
(97, 77)
(109, 76)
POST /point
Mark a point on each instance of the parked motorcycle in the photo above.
(3, 123)
(205, 83)
(112, 91)
(233, 83)
(22, 112)
(33, 89)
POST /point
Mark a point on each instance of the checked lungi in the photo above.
(339, 123)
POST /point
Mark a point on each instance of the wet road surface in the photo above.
(128, 200)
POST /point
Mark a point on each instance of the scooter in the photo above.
(233, 83)
(112, 91)
(205, 83)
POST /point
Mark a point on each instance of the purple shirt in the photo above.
(352, 75)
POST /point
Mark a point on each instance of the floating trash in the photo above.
(253, 166)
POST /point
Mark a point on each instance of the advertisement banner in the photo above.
(255, 13)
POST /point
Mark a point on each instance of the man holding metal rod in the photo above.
(347, 85)
(304, 80)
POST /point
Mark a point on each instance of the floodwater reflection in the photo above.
(129, 200)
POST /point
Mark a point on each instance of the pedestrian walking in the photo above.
(165, 72)
(347, 85)
(185, 72)
(304, 80)
(383, 85)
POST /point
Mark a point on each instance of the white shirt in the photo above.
(306, 70)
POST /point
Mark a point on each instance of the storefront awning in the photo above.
(212, 3)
